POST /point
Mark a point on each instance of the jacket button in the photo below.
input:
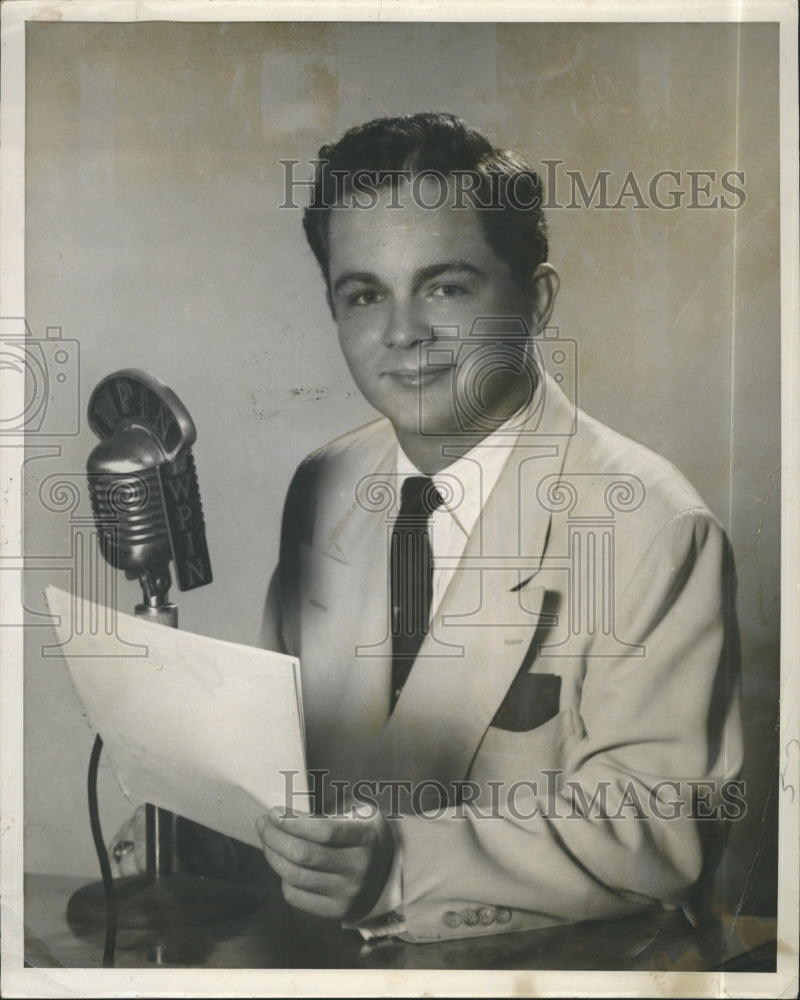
(470, 917)
(503, 915)
(452, 919)
(487, 914)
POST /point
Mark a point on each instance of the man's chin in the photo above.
(451, 430)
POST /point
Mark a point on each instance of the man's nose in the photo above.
(405, 327)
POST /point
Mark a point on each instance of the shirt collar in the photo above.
(467, 482)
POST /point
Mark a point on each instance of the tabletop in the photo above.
(273, 935)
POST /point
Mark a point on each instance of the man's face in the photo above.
(400, 275)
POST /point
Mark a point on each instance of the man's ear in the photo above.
(544, 285)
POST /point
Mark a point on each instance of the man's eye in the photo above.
(366, 297)
(447, 291)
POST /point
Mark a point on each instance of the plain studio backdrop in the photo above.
(154, 240)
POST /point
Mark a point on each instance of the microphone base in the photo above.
(147, 903)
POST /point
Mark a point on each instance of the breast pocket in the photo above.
(531, 701)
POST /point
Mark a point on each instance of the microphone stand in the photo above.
(159, 823)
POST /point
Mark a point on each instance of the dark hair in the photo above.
(505, 189)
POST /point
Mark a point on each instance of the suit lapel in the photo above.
(343, 605)
(452, 693)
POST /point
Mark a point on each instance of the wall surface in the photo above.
(154, 240)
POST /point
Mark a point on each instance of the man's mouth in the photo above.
(419, 376)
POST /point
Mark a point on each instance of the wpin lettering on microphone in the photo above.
(144, 485)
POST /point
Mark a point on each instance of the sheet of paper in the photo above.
(198, 726)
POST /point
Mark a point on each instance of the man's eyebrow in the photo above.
(355, 277)
(420, 277)
(448, 267)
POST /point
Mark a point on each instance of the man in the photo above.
(515, 626)
(579, 636)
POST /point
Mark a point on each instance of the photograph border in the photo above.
(20, 981)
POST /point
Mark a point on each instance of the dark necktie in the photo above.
(411, 574)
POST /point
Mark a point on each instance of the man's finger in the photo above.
(318, 882)
(321, 906)
(308, 854)
(333, 831)
(123, 863)
(133, 861)
(128, 865)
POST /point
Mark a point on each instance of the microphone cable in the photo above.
(102, 857)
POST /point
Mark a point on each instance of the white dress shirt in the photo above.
(465, 486)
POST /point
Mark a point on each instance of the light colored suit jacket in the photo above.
(581, 671)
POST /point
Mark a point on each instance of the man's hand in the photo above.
(127, 851)
(330, 866)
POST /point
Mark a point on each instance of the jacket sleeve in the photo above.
(279, 623)
(271, 635)
(661, 737)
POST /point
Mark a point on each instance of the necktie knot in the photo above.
(419, 497)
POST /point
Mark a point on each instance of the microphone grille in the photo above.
(130, 515)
